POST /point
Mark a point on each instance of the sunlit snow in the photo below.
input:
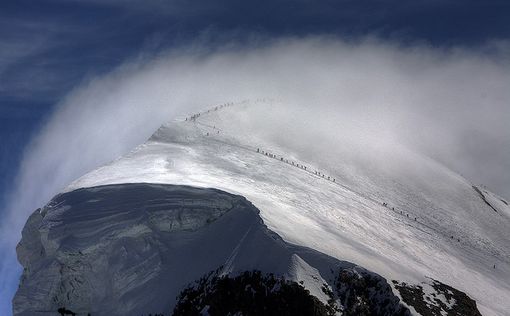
(433, 222)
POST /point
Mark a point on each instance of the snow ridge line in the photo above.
(482, 196)
(194, 119)
(227, 269)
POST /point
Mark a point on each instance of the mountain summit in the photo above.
(217, 211)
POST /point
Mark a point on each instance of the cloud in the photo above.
(451, 104)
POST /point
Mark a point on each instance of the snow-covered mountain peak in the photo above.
(386, 208)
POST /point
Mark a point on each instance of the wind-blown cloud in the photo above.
(449, 104)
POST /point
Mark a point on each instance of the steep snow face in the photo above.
(432, 223)
(94, 248)
(300, 271)
(130, 249)
(497, 203)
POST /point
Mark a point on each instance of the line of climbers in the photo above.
(193, 117)
(270, 155)
(401, 212)
(407, 216)
(322, 175)
(295, 164)
(207, 134)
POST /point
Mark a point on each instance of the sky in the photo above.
(74, 71)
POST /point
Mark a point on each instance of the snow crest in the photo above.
(397, 213)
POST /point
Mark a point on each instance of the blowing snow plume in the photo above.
(451, 105)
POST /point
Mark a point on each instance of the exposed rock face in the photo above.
(130, 249)
(433, 298)
(253, 293)
(363, 293)
(250, 293)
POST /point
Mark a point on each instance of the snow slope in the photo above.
(456, 237)
(497, 203)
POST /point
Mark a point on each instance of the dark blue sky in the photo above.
(48, 47)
